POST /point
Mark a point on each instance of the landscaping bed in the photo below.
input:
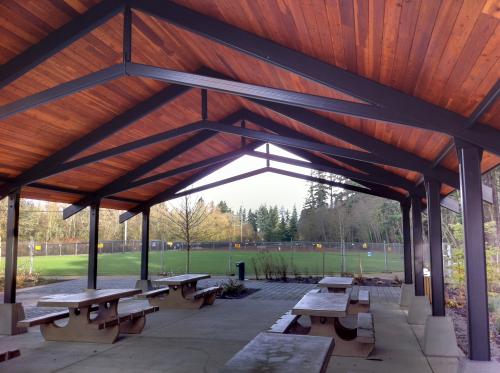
(456, 308)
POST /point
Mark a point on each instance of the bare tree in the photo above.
(188, 220)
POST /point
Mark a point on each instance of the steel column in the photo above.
(93, 241)
(469, 157)
(405, 212)
(418, 245)
(145, 245)
(9, 295)
(433, 188)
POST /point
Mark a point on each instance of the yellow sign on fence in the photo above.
(318, 246)
(38, 247)
(237, 246)
(100, 245)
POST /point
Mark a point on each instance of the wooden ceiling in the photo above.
(444, 52)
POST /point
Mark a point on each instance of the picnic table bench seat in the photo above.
(47, 318)
(288, 324)
(365, 330)
(314, 291)
(359, 301)
(7, 355)
(153, 293)
(209, 294)
(129, 322)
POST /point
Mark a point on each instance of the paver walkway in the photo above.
(183, 341)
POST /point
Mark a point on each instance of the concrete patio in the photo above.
(203, 340)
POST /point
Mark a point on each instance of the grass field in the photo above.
(216, 262)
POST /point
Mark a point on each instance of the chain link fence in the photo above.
(295, 257)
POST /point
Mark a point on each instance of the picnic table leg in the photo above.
(79, 328)
(134, 326)
(176, 298)
(345, 338)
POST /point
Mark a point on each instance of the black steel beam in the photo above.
(469, 157)
(9, 295)
(118, 184)
(361, 140)
(228, 180)
(485, 104)
(394, 195)
(304, 144)
(418, 244)
(55, 162)
(354, 176)
(58, 40)
(190, 167)
(93, 245)
(386, 177)
(62, 90)
(433, 188)
(256, 91)
(166, 194)
(405, 213)
(145, 244)
(416, 112)
(134, 145)
(204, 104)
(127, 34)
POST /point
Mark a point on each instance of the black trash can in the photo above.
(241, 270)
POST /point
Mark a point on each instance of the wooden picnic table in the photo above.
(104, 328)
(282, 353)
(182, 292)
(336, 284)
(325, 311)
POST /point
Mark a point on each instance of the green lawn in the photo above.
(213, 262)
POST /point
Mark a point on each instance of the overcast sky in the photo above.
(268, 188)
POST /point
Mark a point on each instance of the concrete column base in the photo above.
(144, 285)
(439, 337)
(407, 293)
(419, 309)
(10, 314)
(470, 366)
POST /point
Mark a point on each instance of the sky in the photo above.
(268, 188)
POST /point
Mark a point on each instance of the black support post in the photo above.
(93, 241)
(418, 245)
(405, 212)
(9, 295)
(469, 157)
(145, 245)
(433, 188)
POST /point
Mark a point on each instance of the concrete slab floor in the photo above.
(203, 340)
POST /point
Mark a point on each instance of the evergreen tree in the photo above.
(282, 227)
(223, 207)
(320, 191)
(293, 224)
(262, 219)
(252, 220)
(310, 202)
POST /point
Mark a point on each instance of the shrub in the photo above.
(233, 288)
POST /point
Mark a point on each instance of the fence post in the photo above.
(46, 248)
(76, 248)
(385, 257)
(60, 249)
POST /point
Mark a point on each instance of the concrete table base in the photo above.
(469, 366)
(439, 337)
(10, 314)
(407, 293)
(419, 310)
(144, 285)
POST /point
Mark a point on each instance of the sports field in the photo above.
(216, 262)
